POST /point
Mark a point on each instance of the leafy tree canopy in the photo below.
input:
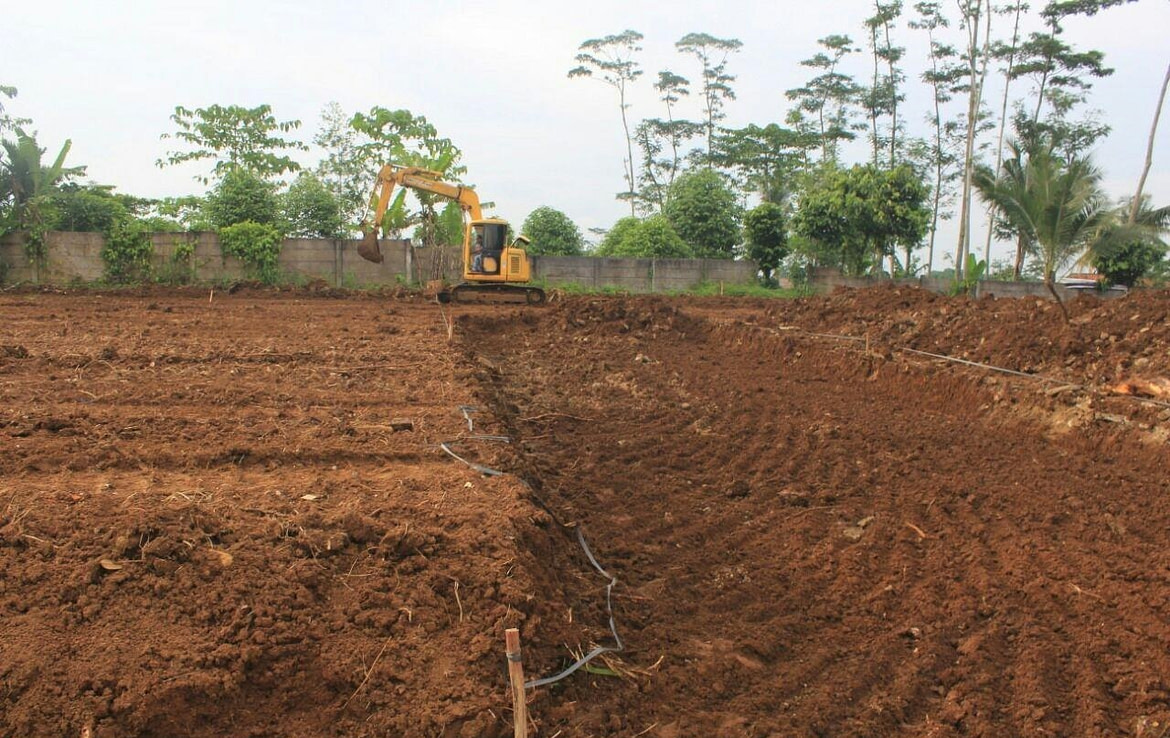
(705, 213)
(766, 233)
(242, 196)
(853, 217)
(310, 210)
(234, 137)
(653, 237)
(405, 139)
(552, 232)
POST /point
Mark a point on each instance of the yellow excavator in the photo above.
(491, 266)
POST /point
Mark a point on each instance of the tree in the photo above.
(344, 169)
(7, 122)
(656, 135)
(650, 238)
(765, 230)
(1137, 198)
(705, 212)
(610, 59)
(828, 97)
(712, 54)
(242, 196)
(552, 232)
(406, 139)
(309, 210)
(882, 98)
(87, 209)
(1007, 53)
(768, 159)
(854, 217)
(976, 54)
(941, 154)
(27, 186)
(616, 235)
(1056, 204)
(234, 137)
(1132, 245)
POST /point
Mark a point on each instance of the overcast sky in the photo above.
(490, 75)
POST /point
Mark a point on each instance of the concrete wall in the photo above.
(824, 281)
(77, 257)
(73, 257)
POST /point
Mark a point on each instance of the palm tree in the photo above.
(1056, 205)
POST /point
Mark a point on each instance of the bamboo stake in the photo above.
(516, 677)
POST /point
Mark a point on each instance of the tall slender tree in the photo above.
(943, 75)
(973, 14)
(655, 136)
(1065, 8)
(883, 96)
(828, 97)
(1007, 53)
(610, 59)
(712, 54)
(1137, 198)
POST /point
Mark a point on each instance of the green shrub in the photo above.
(180, 268)
(241, 197)
(650, 238)
(255, 244)
(127, 252)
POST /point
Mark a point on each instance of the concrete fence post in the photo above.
(337, 267)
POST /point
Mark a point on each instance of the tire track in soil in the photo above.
(722, 473)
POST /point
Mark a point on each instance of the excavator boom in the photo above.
(415, 178)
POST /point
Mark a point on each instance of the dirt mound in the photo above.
(814, 542)
(1106, 341)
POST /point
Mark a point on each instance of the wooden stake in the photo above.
(516, 677)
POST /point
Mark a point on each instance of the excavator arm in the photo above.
(415, 178)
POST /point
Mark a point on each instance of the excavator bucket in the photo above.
(368, 249)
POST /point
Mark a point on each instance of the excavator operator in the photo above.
(477, 254)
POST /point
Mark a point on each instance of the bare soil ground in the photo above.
(209, 527)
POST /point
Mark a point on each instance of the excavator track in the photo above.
(493, 292)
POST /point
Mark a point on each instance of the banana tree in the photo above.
(26, 184)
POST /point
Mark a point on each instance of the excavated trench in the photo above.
(813, 540)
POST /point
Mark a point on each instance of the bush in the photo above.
(616, 235)
(255, 244)
(241, 197)
(127, 252)
(1127, 263)
(552, 232)
(766, 232)
(650, 238)
(705, 213)
(309, 209)
(94, 210)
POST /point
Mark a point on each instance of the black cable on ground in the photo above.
(448, 447)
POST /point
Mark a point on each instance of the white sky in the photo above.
(490, 75)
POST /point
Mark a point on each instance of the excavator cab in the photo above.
(489, 258)
(488, 241)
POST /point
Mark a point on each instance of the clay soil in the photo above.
(212, 522)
